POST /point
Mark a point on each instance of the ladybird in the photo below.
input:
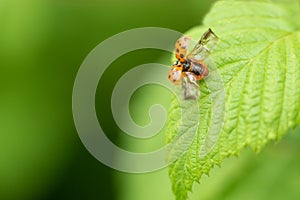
(190, 68)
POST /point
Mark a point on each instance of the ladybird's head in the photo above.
(185, 65)
(176, 63)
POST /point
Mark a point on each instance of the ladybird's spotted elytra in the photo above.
(190, 68)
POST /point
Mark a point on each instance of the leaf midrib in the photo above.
(248, 63)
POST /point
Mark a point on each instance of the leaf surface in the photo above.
(252, 95)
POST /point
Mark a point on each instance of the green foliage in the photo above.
(257, 59)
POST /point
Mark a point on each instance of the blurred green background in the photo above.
(42, 45)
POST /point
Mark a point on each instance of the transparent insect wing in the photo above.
(175, 75)
(181, 48)
(205, 46)
(190, 87)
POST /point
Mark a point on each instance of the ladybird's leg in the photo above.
(199, 77)
(192, 78)
(181, 48)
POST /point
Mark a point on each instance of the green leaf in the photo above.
(251, 97)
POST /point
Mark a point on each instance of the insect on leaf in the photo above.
(252, 95)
